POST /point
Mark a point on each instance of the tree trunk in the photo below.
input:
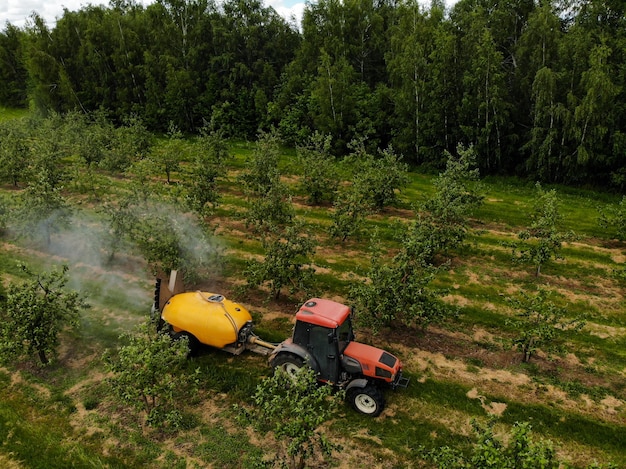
(42, 357)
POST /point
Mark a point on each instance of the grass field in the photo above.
(464, 369)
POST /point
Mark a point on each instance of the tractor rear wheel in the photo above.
(290, 364)
(368, 400)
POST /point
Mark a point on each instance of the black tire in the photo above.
(161, 325)
(192, 343)
(368, 400)
(289, 363)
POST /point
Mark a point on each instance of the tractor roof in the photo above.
(325, 313)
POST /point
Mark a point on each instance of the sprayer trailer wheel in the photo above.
(192, 342)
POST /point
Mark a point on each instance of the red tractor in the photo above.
(323, 339)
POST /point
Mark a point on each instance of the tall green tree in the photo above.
(149, 374)
(545, 159)
(538, 322)
(542, 240)
(540, 80)
(169, 154)
(13, 74)
(378, 178)
(294, 408)
(399, 291)
(14, 153)
(443, 221)
(44, 89)
(36, 313)
(440, 123)
(410, 74)
(320, 177)
(484, 109)
(286, 262)
(203, 175)
(595, 116)
(333, 99)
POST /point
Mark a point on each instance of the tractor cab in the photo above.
(324, 329)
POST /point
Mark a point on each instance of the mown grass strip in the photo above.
(227, 449)
(39, 437)
(567, 426)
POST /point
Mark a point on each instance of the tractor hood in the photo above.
(374, 362)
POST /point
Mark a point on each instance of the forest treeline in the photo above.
(537, 87)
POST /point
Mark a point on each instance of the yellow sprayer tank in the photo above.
(211, 318)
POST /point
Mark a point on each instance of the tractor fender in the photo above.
(357, 383)
(297, 350)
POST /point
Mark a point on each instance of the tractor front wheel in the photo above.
(290, 364)
(368, 400)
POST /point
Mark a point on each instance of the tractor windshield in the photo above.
(344, 334)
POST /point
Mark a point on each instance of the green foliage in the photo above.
(202, 176)
(457, 188)
(539, 321)
(444, 220)
(410, 70)
(269, 199)
(13, 75)
(294, 407)
(149, 374)
(484, 107)
(35, 314)
(536, 91)
(128, 143)
(168, 156)
(519, 452)
(378, 179)
(86, 136)
(349, 213)
(399, 291)
(42, 208)
(286, 262)
(272, 211)
(334, 96)
(86, 180)
(171, 241)
(14, 154)
(614, 217)
(5, 211)
(542, 241)
(319, 171)
(261, 172)
(121, 218)
(141, 184)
